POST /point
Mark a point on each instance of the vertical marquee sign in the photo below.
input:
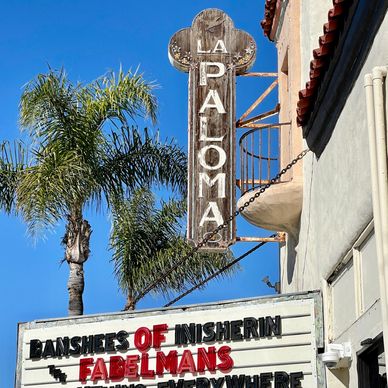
(213, 52)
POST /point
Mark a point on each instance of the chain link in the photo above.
(218, 272)
(211, 234)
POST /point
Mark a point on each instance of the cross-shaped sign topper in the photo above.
(213, 52)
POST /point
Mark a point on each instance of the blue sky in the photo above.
(88, 38)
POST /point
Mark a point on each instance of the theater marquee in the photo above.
(213, 52)
(255, 343)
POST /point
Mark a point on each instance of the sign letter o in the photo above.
(221, 157)
(143, 339)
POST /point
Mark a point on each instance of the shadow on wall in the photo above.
(338, 377)
(292, 243)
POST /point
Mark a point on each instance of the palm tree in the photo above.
(146, 239)
(83, 152)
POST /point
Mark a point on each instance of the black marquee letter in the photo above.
(35, 348)
(265, 380)
(295, 379)
(281, 380)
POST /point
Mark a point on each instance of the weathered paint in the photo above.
(213, 52)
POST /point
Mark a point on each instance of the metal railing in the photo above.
(259, 152)
(259, 146)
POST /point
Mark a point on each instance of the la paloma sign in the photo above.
(213, 52)
(255, 343)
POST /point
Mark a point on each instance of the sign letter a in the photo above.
(220, 47)
(216, 102)
(217, 217)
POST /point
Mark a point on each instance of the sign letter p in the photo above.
(203, 71)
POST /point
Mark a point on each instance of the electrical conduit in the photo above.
(374, 84)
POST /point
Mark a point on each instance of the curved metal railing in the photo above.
(259, 150)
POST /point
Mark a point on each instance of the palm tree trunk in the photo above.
(76, 242)
(75, 286)
(130, 304)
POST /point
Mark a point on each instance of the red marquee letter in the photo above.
(206, 359)
(187, 363)
(131, 367)
(158, 336)
(84, 370)
(99, 371)
(143, 339)
(168, 363)
(223, 355)
(144, 369)
(116, 368)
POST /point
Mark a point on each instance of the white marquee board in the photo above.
(272, 340)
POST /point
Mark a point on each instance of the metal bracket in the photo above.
(281, 237)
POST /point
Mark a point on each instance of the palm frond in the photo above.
(146, 240)
(65, 122)
(54, 184)
(196, 268)
(51, 108)
(137, 160)
(13, 162)
(48, 106)
(116, 96)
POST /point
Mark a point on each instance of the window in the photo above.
(343, 299)
(354, 284)
(368, 262)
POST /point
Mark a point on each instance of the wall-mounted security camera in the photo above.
(330, 358)
(337, 356)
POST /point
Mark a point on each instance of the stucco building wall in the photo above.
(337, 214)
(337, 201)
(333, 246)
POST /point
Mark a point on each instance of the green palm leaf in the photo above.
(146, 240)
(137, 160)
(13, 159)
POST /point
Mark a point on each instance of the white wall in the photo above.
(336, 230)
(337, 203)
(337, 208)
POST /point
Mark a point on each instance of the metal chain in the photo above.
(218, 272)
(211, 234)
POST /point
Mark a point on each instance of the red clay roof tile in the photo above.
(303, 102)
(318, 63)
(305, 93)
(328, 38)
(338, 10)
(269, 14)
(322, 56)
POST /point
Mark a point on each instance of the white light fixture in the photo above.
(338, 355)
